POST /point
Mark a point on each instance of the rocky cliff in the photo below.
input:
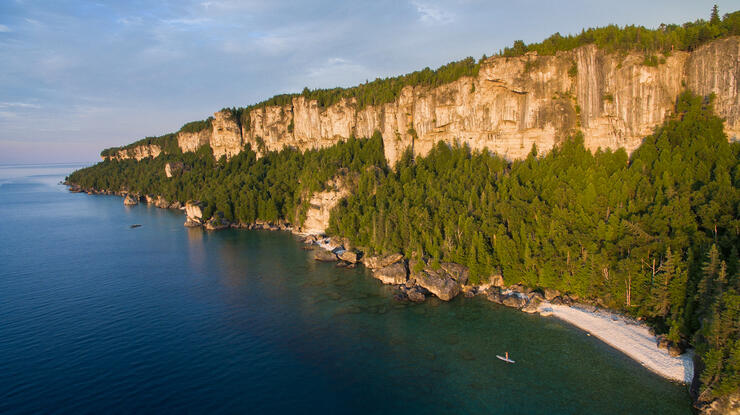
(321, 204)
(138, 152)
(513, 103)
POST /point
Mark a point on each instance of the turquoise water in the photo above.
(96, 317)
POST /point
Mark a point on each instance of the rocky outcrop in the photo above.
(510, 105)
(441, 282)
(392, 274)
(349, 256)
(321, 204)
(173, 169)
(217, 222)
(193, 214)
(161, 202)
(375, 262)
(137, 153)
(727, 405)
(131, 200)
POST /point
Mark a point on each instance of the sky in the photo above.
(79, 76)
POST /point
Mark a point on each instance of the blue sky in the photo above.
(78, 76)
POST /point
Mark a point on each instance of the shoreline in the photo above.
(617, 331)
(627, 336)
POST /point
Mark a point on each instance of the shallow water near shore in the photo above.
(98, 317)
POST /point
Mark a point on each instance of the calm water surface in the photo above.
(96, 317)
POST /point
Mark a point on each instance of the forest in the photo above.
(612, 39)
(654, 235)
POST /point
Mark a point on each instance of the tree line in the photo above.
(612, 39)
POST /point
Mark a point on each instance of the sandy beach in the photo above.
(629, 337)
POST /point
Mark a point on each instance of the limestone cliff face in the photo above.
(193, 141)
(513, 103)
(321, 204)
(226, 136)
(713, 68)
(139, 152)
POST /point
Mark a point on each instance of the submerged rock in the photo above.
(324, 256)
(416, 295)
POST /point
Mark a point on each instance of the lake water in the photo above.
(96, 317)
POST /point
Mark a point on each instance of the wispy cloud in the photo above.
(131, 21)
(5, 29)
(187, 23)
(432, 14)
(18, 105)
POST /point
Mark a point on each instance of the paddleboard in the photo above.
(505, 359)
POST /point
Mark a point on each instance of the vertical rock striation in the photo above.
(513, 103)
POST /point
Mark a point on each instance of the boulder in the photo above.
(520, 288)
(392, 274)
(310, 239)
(551, 293)
(469, 290)
(536, 296)
(161, 203)
(375, 262)
(349, 256)
(514, 301)
(532, 305)
(493, 294)
(176, 205)
(217, 222)
(438, 282)
(416, 295)
(324, 255)
(401, 297)
(130, 200)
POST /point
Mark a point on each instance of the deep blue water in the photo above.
(96, 317)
